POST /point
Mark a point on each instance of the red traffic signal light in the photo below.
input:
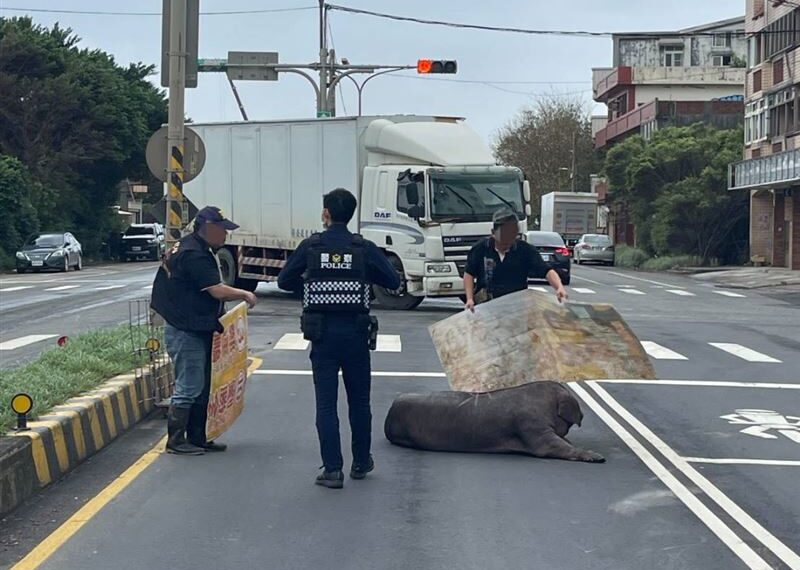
(437, 66)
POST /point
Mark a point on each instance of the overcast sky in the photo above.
(541, 65)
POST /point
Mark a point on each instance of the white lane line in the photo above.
(291, 341)
(743, 352)
(377, 374)
(584, 291)
(715, 461)
(63, 288)
(109, 287)
(540, 289)
(25, 341)
(680, 292)
(582, 278)
(147, 288)
(389, 343)
(788, 556)
(661, 352)
(706, 516)
(632, 291)
(730, 294)
(11, 289)
(642, 280)
(706, 384)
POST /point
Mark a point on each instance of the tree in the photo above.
(77, 121)
(540, 142)
(674, 188)
(18, 192)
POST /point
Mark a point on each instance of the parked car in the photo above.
(59, 251)
(553, 250)
(594, 247)
(143, 241)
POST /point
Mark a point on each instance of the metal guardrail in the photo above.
(776, 170)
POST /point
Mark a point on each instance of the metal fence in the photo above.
(147, 342)
(775, 170)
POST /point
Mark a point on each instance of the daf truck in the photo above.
(426, 189)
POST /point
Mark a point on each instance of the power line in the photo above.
(494, 85)
(105, 13)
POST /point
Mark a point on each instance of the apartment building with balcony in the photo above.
(678, 78)
(770, 171)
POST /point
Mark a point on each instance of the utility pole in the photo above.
(324, 60)
(176, 202)
(574, 162)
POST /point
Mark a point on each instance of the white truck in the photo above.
(570, 214)
(426, 190)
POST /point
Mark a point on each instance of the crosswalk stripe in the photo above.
(20, 288)
(540, 289)
(63, 288)
(109, 287)
(730, 294)
(661, 352)
(24, 341)
(743, 352)
(147, 288)
(681, 292)
(389, 343)
(584, 291)
(632, 291)
(291, 341)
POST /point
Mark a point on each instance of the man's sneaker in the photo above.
(360, 471)
(331, 479)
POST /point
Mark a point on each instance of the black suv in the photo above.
(143, 241)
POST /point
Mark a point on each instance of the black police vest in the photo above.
(335, 279)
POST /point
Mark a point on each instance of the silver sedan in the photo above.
(594, 247)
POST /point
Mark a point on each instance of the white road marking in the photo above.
(680, 292)
(377, 374)
(540, 289)
(389, 343)
(291, 341)
(109, 287)
(706, 516)
(715, 461)
(641, 279)
(743, 352)
(11, 289)
(661, 352)
(632, 291)
(584, 291)
(147, 288)
(706, 383)
(788, 556)
(730, 294)
(761, 422)
(25, 341)
(63, 288)
(582, 278)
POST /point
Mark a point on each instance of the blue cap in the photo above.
(213, 215)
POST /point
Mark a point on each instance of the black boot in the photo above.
(196, 429)
(177, 418)
(358, 471)
(330, 479)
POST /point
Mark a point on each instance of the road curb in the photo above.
(62, 439)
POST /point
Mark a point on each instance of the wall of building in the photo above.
(698, 51)
(646, 93)
(761, 223)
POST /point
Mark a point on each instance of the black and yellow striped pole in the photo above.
(175, 135)
(176, 199)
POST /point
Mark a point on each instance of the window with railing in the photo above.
(782, 34)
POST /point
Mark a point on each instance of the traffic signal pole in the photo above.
(175, 137)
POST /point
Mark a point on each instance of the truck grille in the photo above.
(456, 249)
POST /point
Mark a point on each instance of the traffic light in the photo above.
(437, 66)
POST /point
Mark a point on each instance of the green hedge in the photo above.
(630, 257)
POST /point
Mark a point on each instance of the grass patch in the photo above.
(62, 373)
(671, 262)
(631, 257)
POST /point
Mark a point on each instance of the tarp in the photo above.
(528, 337)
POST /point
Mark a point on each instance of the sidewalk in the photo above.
(749, 277)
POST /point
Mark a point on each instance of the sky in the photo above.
(520, 68)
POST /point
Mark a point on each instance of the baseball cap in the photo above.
(213, 215)
(502, 216)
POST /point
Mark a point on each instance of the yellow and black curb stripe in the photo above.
(60, 440)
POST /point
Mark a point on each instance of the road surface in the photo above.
(702, 465)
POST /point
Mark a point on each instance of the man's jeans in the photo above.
(191, 357)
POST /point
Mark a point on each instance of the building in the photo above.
(663, 79)
(770, 171)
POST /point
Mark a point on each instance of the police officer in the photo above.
(189, 294)
(502, 263)
(335, 270)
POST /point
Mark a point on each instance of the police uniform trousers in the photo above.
(344, 346)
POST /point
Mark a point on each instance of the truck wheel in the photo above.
(402, 301)
(227, 266)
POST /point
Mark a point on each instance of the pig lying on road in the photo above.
(532, 419)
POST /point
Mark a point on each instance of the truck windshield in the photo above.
(474, 197)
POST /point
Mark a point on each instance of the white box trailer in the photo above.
(570, 214)
(426, 189)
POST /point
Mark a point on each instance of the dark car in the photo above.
(60, 251)
(143, 241)
(553, 250)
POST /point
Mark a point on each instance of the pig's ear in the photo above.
(568, 408)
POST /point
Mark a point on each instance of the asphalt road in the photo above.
(702, 465)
